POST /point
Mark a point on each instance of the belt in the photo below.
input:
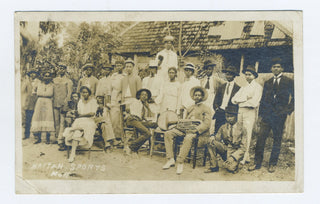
(44, 96)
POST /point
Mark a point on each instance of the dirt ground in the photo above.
(42, 161)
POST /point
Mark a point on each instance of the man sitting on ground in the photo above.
(229, 142)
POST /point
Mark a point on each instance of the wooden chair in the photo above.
(193, 153)
(157, 138)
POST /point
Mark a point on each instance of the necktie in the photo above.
(228, 86)
(207, 84)
(231, 136)
(143, 112)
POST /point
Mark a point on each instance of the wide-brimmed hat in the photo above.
(153, 64)
(33, 70)
(88, 65)
(168, 38)
(199, 88)
(231, 69)
(251, 69)
(233, 110)
(106, 66)
(146, 90)
(129, 61)
(208, 63)
(189, 66)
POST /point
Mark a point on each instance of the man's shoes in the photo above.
(62, 147)
(25, 138)
(179, 169)
(54, 142)
(254, 167)
(211, 170)
(271, 169)
(37, 142)
(169, 164)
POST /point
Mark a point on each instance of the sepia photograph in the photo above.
(169, 101)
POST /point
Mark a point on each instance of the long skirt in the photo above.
(87, 126)
(42, 119)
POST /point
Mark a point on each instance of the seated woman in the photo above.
(82, 131)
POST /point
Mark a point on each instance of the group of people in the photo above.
(120, 98)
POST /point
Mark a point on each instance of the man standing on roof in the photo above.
(166, 58)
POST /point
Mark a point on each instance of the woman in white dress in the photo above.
(169, 92)
(82, 131)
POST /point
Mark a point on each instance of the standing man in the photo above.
(167, 57)
(29, 88)
(198, 111)
(61, 95)
(104, 84)
(185, 100)
(115, 100)
(154, 84)
(89, 80)
(210, 82)
(248, 98)
(131, 83)
(277, 102)
(224, 95)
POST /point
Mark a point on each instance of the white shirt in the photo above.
(248, 96)
(169, 96)
(136, 109)
(185, 98)
(170, 59)
(153, 84)
(104, 87)
(277, 78)
(227, 95)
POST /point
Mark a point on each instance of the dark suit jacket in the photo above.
(219, 96)
(277, 102)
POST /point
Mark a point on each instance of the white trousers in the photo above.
(247, 119)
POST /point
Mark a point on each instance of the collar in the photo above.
(277, 77)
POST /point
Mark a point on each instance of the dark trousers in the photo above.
(276, 124)
(142, 128)
(220, 119)
(29, 114)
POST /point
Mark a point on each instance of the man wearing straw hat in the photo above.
(185, 101)
(131, 83)
(88, 80)
(104, 84)
(198, 111)
(153, 83)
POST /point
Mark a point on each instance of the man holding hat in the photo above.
(88, 80)
(185, 100)
(223, 97)
(197, 111)
(153, 83)
(229, 142)
(29, 88)
(167, 58)
(248, 98)
(104, 84)
(139, 118)
(277, 102)
(61, 94)
(131, 83)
